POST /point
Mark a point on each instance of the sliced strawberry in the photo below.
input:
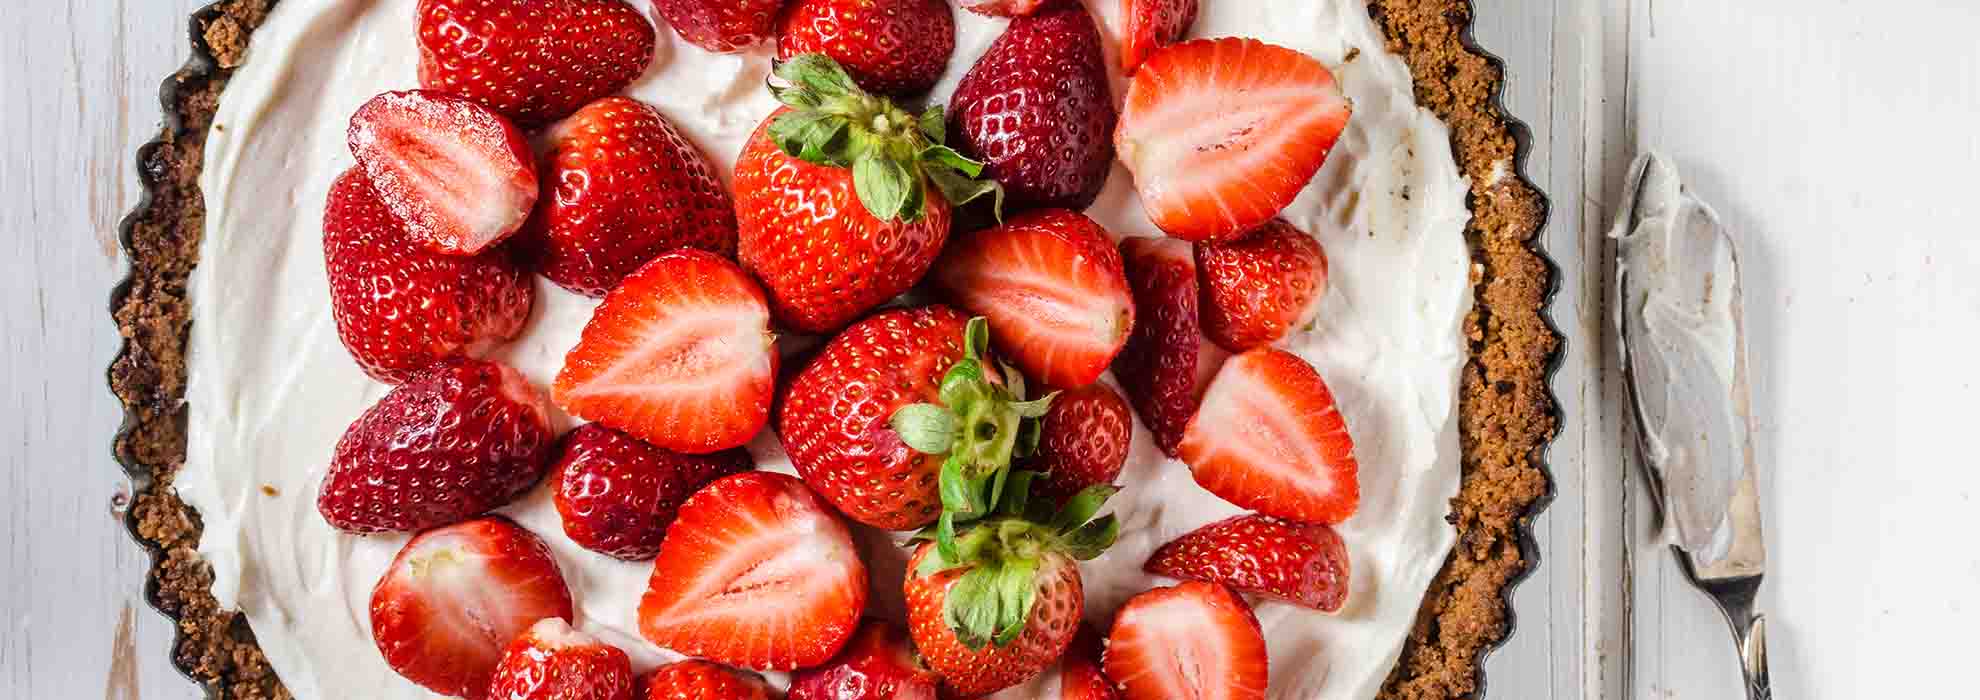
(1167, 363)
(536, 61)
(878, 664)
(1051, 285)
(679, 355)
(700, 680)
(1196, 640)
(1222, 134)
(624, 187)
(552, 661)
(1002, 8)
(616, 494)
(399, 306)
(1303, 563)
(453, 442)
(1153, 24)
(757, 572)
(459, 176)
(1260, 288)
(1269, 438)
(1083, 442)
(455, 596)
(891, 47)
(721, 26)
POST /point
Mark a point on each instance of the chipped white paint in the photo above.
(1839, 139)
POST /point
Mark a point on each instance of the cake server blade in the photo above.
(1681, 323)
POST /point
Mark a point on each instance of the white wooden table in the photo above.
(1842, 138)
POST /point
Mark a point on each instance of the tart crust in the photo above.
(1507, 412)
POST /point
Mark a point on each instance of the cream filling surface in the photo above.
(271, 389)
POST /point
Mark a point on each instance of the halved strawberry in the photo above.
(399, 306)
(679, 355)
(1269, 438)
(536, 61)
(459, 176)
(1083, 441)
(1260, 288)
(552, 661)
(1222, 134)
(1051, 285)
(1153, 24)
(623, 186)
(878, 664)
(756, 572)
(455, 596)
(700, 680)
(1302, 563)
(617, 494)
(1196, 640)
(1167, 363)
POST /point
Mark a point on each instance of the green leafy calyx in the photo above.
(894, 155)
(982, 423)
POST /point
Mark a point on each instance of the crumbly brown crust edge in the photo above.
(1507, 413)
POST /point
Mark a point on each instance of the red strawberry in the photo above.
(1037, 110)
(1080, 677)
(869, 422)
(459, 176)
(455, 596)
(1269, 438)
(1153, 24)
(1083, 442)
(1222, 134)
(721, 26)
(878, 664)
(1002, 8)
(827, 249)
(1259, 288)
(1304, 563)
(700, 680)
(401, 307)
(1051, 284)
(453, 442)
(625, 186)
(536, 61)
(1196, 640)
(551, 661)
(1167, 363)
(892, 47)
(756, 572)
(1014, 595)
(679, 355)
(617, 495)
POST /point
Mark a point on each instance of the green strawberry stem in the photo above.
(981, 425)
(894, 155)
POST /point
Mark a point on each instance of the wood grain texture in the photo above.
(1838, 140)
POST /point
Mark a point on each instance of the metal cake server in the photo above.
(1681, 324)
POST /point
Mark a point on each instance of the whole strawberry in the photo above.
(992, 603)
(489, 571)
(1083, 442)
(453, 442)
(897, 404)
(891, 47)
(878, 664)
(401, 307)
(694, 679)
(536, 61)
(1260, 288)
(616, 494)
(843, 200)
(1302, 563)
(1002, 8)
(624, 187)
(1153, 24)
(720, 26)
(1037, 110)
(552, 661)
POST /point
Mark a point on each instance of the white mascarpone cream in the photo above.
(271, 388)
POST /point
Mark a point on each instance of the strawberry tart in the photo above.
(835, 350)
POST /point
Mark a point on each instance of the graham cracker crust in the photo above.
(1506, 410)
